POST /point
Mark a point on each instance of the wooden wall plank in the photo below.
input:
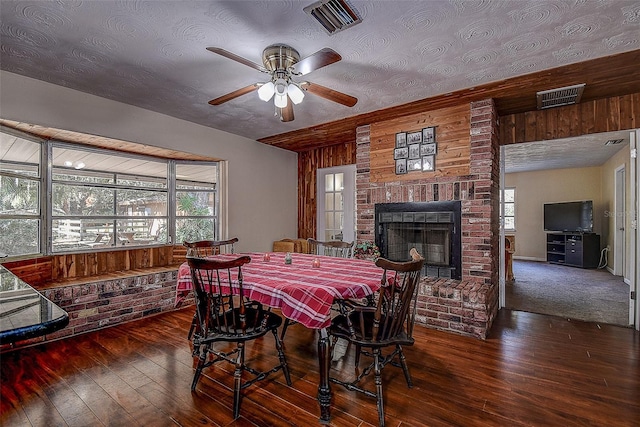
(602, 115)
(308, 164)
(41, 270)
(452, 138)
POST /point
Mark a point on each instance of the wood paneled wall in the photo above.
(602, 115)
(308, 164)
(43, 270)
(452, 136)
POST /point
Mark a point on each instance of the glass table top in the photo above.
(24, 312)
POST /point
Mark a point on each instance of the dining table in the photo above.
(304, 290)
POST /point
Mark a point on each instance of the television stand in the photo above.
(574, 249)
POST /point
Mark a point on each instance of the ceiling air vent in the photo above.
(334, 15)
(558, 97)
(613, 141)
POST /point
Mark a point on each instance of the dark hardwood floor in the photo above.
(533, 370)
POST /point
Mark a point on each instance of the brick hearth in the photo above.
(466, 306)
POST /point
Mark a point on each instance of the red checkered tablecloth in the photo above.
(302, 292)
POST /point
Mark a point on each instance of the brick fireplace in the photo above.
(433, 228)
(467, 302)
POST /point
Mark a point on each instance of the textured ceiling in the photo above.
(152, 54)
(585, 151)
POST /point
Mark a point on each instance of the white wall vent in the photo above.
(334, 15)
(613, 141)
(559, 97)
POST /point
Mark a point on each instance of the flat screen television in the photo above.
(569, 216)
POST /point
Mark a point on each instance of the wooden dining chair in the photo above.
(224, 315)
(335, 248)
(388, 323)
(284, 245)
(204, 248)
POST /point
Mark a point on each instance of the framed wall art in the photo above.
(429, 135)
(426, 149)
(414, 164)
(428, 163)
(400, 153)
(401, 166)
(414, 137)
(414, 151)
(401, 139)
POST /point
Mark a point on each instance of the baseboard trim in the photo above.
(530, 258)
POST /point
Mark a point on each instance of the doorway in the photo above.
(619, 222)
(551, 171)
(336, 195)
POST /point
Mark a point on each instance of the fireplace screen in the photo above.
(434, 233)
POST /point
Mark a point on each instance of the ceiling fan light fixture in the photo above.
(266, 91)
(295, 93)
(280, 101)
(281, 87)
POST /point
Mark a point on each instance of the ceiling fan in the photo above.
(283, 63)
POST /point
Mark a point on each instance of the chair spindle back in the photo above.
(204, 248)
(335, 248)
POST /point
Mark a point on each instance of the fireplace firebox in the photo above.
(433, 228)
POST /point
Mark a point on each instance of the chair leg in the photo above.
(284, 328)
(281, 356)
(405, 368)
(237, 383)
(377, 370)
(194, 321)
(201, 362)
(358, 351)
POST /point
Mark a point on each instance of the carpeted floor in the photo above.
(574, 293)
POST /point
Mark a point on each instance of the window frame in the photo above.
(39, 178)
(503, 203)
(46, 216)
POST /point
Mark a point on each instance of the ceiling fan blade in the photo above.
(320, 59)
(330, 94)
(286, 113)
(236, 93)
(237, 58)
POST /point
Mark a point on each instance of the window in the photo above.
(20, 192)
(100, 199)
(196, 202)
(509, 205)
(336, 203)
(97, 199)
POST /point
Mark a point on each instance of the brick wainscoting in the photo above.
(467, 306)
(102, 302)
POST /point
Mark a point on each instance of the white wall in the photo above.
(262, 179)
(534, 189)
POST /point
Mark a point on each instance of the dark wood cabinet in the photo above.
(574, 249)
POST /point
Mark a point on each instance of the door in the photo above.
(619, 247)
(634, 231)
(336, 193)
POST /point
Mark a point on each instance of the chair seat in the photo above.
(340, 328)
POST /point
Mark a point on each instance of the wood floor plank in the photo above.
(532, 370)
